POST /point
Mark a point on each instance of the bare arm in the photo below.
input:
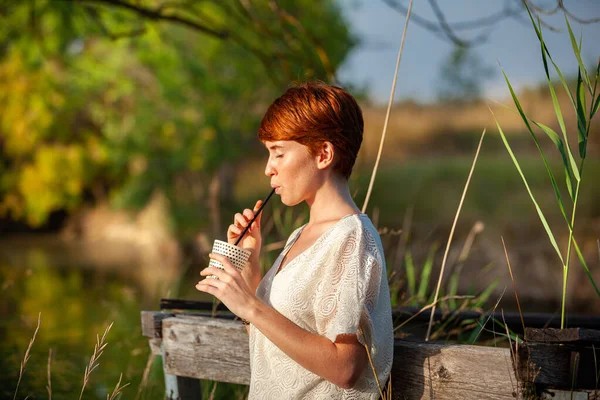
(340, 362)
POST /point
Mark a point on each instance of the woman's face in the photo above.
(293, 171)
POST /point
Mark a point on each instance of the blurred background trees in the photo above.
(116, 100)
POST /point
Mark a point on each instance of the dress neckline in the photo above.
(283, 255)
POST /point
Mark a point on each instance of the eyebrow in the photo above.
(275, 147)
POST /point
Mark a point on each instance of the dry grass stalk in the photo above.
(49, 385)
(513, 354)
(362, 333)
(145, 375)
(476, 229)
(514, 285)
(490, 316)
(212, 392)
(27, 356)
(389, 109)
(98, 349)
(437, 290)
(118, 389)
(427, 307)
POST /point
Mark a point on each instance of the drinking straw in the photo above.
(256, 214)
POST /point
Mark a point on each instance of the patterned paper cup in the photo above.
(238, 256)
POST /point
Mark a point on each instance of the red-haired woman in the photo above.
(327, 293)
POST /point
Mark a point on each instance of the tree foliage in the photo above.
(99, 100)
(462, 75)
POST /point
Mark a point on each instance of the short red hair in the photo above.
(313, 113)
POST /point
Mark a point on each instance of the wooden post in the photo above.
(180, 387)
(560, 361)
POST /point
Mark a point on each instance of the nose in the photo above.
(269, 170)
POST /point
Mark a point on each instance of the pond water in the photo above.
(77, 298)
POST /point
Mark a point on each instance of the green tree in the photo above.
(114, 100)
(462, 75)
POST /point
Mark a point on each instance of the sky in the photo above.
(511, 43)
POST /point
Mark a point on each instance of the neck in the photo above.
(331, 201)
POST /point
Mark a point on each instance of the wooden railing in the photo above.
(197, 346)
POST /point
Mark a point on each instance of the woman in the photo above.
(327, 293)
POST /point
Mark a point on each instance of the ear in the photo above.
(325, 155)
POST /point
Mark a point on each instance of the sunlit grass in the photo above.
(573, 172)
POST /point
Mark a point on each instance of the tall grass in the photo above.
(389, 109)
(27, 355)
(93, 364)
(437, 290)
(573, 172)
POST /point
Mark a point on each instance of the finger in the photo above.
(218, 272)
(258, 218)
(206, 288)
(240, 220)
(249, 214)
(230, 269)
(233, 229)
(216, 283)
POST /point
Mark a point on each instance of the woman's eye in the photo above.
(278, 155)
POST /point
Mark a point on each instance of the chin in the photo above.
(290, 202)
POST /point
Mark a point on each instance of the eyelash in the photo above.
(279, 156)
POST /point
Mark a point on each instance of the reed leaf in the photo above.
(547, 165)
(558, 113)
(595, 108)
(476, 332)
(483, 320)
(538, 31)
(453, 288)
(570, 166)
(410, 274)
(509, 333)
(535, 203)
(585, 267)
(581, 119)
(426, 272)
(563, 153)
(577, 52)
(485, 295)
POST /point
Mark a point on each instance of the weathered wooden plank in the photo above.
(400, 314)
(569, 335)
(206, 348)
(152, 320)
(152, 323)
(446, 371)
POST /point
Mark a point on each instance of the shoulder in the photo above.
(358, 229)
(356, 225)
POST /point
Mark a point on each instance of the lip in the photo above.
(276, 187)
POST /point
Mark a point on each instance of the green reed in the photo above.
(573, 171)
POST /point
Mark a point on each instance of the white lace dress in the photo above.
(329, 289)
